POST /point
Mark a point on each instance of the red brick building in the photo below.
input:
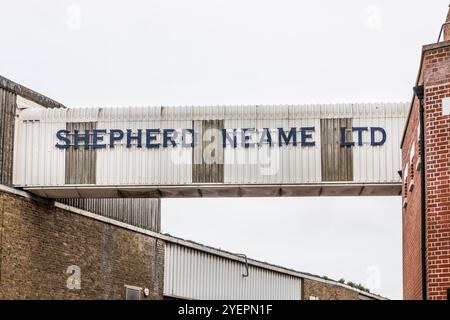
(426, 166)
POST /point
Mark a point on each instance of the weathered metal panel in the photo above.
(81, 163)
(193, 274)
(142, 213)
(7, 119)
(208, 154)
(337, 161)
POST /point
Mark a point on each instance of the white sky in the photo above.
(198, 52)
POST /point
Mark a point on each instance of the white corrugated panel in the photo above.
(379, 164)
(128, 166)
(286, 164)
(194, 274)
(36, 160)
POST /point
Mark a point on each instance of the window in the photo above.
(405, 185)
(411, 164)
(411, 154)
(419, 156)
(405, 178)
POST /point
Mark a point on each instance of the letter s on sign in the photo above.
(62, 136)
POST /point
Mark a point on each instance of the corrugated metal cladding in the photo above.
(7, 119)
(142, 213)
(80, 163)
(193, 274)
(13, 96)
(39, 163)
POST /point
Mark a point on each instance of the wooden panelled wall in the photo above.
(208, 155)
(7, 116)
(81, 163)
(337, 161)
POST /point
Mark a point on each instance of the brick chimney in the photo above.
(447, 27)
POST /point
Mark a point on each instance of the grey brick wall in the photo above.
(38, 242)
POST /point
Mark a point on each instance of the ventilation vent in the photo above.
(132, 293)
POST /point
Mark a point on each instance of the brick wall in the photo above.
(325, 291)
(436, 69)
(411, 217)
(39, 242)
(435, 76)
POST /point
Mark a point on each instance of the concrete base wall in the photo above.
(42, 247)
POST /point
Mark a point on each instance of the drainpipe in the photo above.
(419, 92)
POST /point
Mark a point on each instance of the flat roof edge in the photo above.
(187, 243)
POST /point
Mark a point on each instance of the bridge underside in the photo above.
(216, 190)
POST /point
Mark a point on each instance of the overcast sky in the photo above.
(200, 52)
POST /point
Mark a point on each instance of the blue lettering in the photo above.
(184, 144)
(77, 138)
(137, 137)
(226, 137)
(98, 136)
(305, 135)
(246, 136)
(372, 136)
(292, 135)
(189, 138)
(62, 135)
(149, 137)
(344, 142)
(360, 134)
(266, 137)
(113, 137)
(169, 135)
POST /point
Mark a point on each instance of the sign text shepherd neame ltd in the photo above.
(188, 138)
